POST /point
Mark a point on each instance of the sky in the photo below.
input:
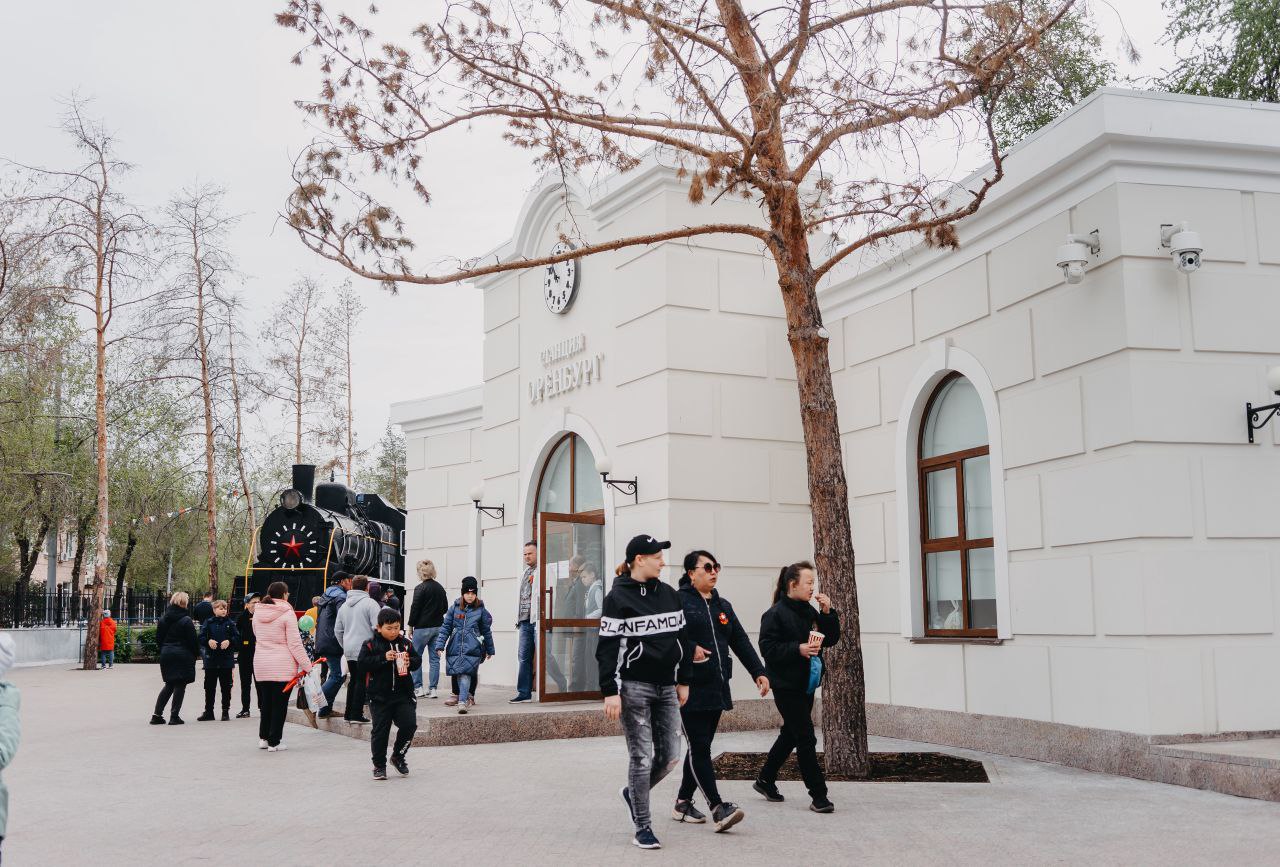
(203, 92)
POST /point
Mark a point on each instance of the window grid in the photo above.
(959, 542)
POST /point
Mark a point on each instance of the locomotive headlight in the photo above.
(291, 500)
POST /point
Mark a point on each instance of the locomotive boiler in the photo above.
(317, 530)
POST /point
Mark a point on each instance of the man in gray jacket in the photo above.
(357, 620)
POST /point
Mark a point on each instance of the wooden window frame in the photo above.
(959, 542)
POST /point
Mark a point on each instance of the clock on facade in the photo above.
(295, 545)
(560, 284)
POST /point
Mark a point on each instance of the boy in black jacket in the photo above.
(385, 662)
(644, 657)
(219, 640)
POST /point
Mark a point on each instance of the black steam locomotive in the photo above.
(305, 539)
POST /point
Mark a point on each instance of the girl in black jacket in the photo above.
(176, 638)
(244, 656)
(714, 630)
(789, 648)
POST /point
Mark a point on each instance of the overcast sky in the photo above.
(203, 91)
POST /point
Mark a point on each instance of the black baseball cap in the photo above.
(645, 545)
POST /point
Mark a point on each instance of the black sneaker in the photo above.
(226, 715)
(626, 799)
(244, 714)
(379, 773)
(520, 699)
(685, 811)
(769, 790)
(400, 764)
(726, 815)
(176, 721)
(207, 716)
(157, 720)
(822, 805)
(324, 713)
(645, 840)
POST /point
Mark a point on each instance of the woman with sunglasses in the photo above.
(714, 630)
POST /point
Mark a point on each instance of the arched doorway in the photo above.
(568, 522)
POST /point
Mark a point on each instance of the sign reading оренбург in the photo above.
(564, 374)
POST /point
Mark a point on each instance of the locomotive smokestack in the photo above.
(304, 479)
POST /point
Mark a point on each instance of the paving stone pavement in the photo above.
(94, 784)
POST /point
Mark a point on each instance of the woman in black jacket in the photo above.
(244, 656)
(789, 646)
(714, 630)
(176, 638)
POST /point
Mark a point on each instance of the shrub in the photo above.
(124, 643)
(146, 639)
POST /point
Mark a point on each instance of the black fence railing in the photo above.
(28, 606)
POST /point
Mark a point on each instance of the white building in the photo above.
(1122, 551)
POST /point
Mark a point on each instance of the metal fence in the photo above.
(32, 606)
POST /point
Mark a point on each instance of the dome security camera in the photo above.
(1183, 244)
(1073, 256)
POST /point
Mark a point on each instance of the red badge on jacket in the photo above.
(724, 619)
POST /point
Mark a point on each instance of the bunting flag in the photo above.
(151, 519)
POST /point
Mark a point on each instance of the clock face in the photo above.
(294, 545)
(561, 281)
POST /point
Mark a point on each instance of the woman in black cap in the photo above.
(644, 657)
(714, 630)
(244, 658)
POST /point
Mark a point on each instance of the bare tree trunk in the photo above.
(90, 662)
(206, 392)
(297, 405)
(124, 568)
(29, 550)
(351, 415)
(77, 562)
(235, 399)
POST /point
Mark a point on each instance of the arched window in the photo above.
(569, 484)
(957, 548)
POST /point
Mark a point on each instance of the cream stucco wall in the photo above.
(1140, 553)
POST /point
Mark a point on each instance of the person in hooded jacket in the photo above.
(388, 661)
(356, 623)
(714, 630)
(327, 643)
(466, 640)
(179, 647)
(218, 637)
(278, 658)
(10, 722)
(644, 658)
(789, 648)
(244, 657)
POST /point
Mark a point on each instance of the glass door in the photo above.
(572, 586)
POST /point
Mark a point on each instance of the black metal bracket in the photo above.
(498, 512)
(630, 487)
(1251, 414)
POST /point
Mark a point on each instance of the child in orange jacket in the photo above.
(106, 641)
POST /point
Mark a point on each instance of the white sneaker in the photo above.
(262, 744)
(419, 692)
(280, 747)
(433, 694)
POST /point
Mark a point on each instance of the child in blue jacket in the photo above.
(466, 640)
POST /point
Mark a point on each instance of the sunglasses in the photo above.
(709, 568)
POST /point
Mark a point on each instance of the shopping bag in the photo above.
(311, 684)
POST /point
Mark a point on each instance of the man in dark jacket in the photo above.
(386, 661)
(426, 613)
(644, 657)
(219, 639)
(327, 644)
(204, 609)
(714, 630)
(245, 646)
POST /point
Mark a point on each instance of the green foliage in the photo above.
(147, 646)
(124, 642)
(1064, 68)
(1232, 48)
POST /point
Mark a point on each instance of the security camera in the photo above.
(1183, 244)
(1073, 256)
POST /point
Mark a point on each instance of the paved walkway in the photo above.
(93, 783)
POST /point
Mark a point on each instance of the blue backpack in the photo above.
(815, 673)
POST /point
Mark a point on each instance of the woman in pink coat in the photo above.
(278, 657)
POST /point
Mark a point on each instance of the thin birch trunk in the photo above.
(235, 400)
